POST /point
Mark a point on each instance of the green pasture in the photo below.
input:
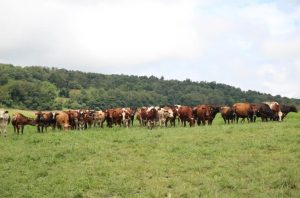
(240, 160)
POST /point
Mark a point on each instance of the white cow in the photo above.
(4, 121)
(164, 114)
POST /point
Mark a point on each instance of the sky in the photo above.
(250, 44)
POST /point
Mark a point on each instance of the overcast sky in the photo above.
(249, 44)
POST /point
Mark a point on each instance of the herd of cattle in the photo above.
(146, 116)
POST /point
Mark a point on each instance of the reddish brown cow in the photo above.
(126, 117)
(151, 117)
(117, 116)
(227, 114)
(205, 113)
(113, 116)
(243, 110)
(185, 114)
(19, 121)
(73, 118)
(141, 116)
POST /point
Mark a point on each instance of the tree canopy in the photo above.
(42, 88)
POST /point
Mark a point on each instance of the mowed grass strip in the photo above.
(244, 160)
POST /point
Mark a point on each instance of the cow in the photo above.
(175, 110)
(73, 118)
(205, 113)
(164, 114)
(62, 120)
(4, 121)
(175, 115)
(152, 115)
(126, 117)
(117, 116)
(19, 121)
(131, 112)
(113, 116)
(185, 115)
(243, 110)
(275, 107)
(81, 120)
(264, 111)
(285, 109)
(227, 114)
(44, 120)
(141, 116)
(99, 117)
(109, 117)
(88, 118)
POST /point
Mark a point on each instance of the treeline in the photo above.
(42, 88)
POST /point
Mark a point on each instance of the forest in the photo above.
(45, 88)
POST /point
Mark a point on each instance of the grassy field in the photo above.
(244, 160)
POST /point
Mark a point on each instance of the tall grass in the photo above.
(240, 160)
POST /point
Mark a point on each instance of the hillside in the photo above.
(46, 88)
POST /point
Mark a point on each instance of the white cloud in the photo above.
(234, 43)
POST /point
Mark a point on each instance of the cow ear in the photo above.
(6, 112)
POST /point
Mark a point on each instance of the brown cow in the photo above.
(73, 118)
(117, 116)
(243, 110)
(19, 121)
(185, 114)
(152, 115)
(141, 116)
(44, 120)
(62, 120)
(205, 113)
(227, 114)
(126, 119)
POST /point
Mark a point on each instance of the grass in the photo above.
(244, 160)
